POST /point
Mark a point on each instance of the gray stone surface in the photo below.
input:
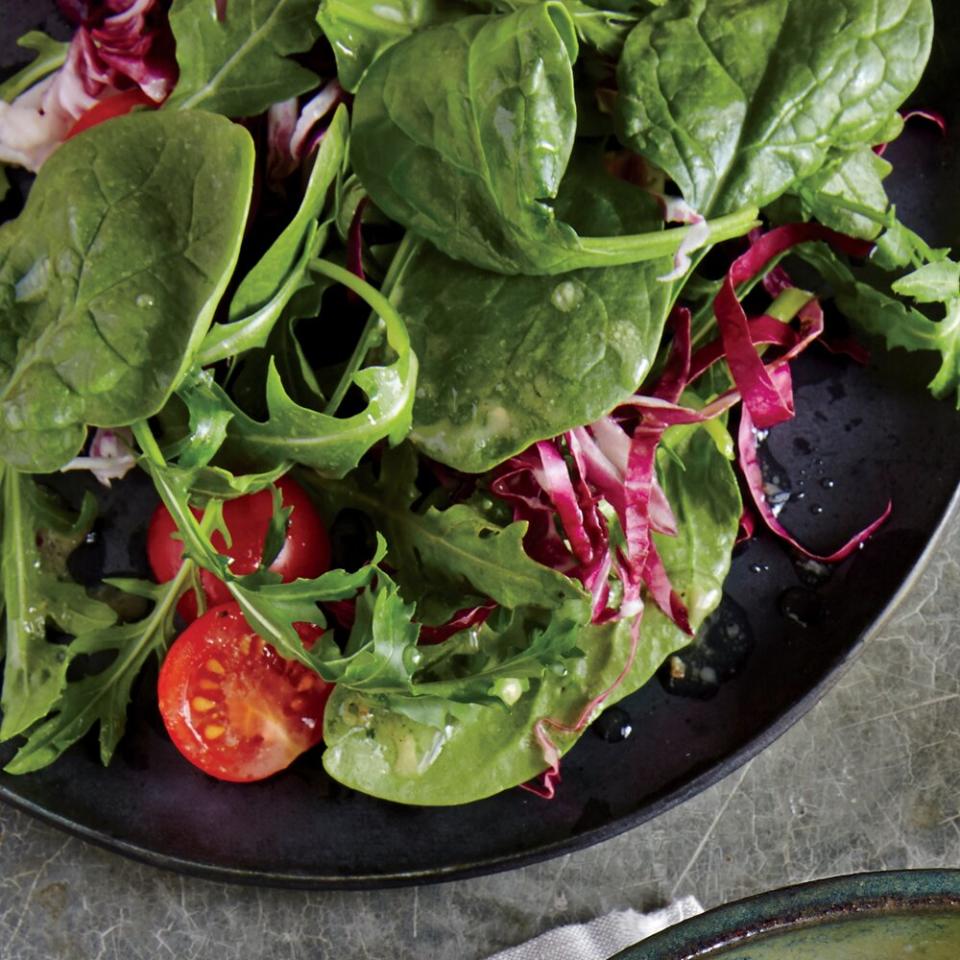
(870, 779)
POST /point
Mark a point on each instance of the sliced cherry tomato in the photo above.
(305, 552)
(232, 705)
(110, 107)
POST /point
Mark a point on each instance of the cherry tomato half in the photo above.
(305, 552)
(232, 705)
(110, 107)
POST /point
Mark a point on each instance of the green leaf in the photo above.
(376, 746)
(475, 172)
(508, 360)
(282, 271)
(102, 698)
(360, 30)
(932, 283)
(333, 445)
(849, 196)
(446, 559)
(869, 305)
(110, 276)
(738, 100)
(242, 65)
(50, 56)
(37, 594)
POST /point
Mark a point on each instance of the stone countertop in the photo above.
(868, 780)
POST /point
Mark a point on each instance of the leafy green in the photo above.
(475, 172)
(849, 196)
(447, 559)
(738, 100)
(871, 304)
(242, 65)
(506, 361)
(376, 746)
(110, 276)
(36, 594)
(360, 30)
(333, 445)
(272, 283)
(50, 55)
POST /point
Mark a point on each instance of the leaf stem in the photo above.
(618, 251)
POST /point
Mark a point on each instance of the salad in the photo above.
(447, 332)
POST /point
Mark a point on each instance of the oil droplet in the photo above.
(816, 509)
(144, 301)
(759, 567)
(613, 725)
(827, 483)
(802, 607)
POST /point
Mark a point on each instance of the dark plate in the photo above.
(862, 435)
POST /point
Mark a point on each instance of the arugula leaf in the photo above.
(241, 65)
(110, 276)
(102, 698)
(50, 56)
(876, 311)
(282, 271)
(332, 445)
(446, 559)
(360, 30)
(508, 360)
(475, 173)
(451, 753)
(737, 100)
(35, 594)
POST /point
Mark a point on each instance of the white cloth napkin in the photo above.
(600, 939)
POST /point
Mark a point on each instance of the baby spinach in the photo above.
(463, 132)
(508, 360)
(373, 745)
(242, 64)
(737, 100)
(110, 276)
(360, 30)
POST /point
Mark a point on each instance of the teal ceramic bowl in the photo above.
(908, 915)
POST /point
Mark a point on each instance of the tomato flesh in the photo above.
(232, 705)
(305, 552)
(110, 107)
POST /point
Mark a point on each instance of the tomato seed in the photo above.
(205, 684)
(296, 704)
(245, 641)
(213, 731)
(305, 684)
(215, 666)
(202, 704)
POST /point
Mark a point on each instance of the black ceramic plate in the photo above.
(862, 435)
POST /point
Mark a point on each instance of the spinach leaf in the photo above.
(37, 593)
(508, 360)
(447, 559)
(241, 65)
(271, 284)
(360, 30)
(110, 276)
(848, 196)
(376, 747)
(737, 100)
(463, 131)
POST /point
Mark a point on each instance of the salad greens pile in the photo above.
(442, 259)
